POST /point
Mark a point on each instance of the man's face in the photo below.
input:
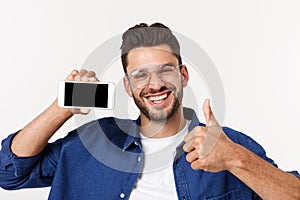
(158, 100)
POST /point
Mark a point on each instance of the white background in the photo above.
(254, 45)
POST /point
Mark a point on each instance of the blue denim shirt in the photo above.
(103, 158)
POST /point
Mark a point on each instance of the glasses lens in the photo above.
(167, 73)
(141, 77)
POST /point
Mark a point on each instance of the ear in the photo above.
(185, 75)
(127, 86)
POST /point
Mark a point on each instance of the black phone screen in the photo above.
(86, 95)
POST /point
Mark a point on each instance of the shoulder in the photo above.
(244, 140)
(109, 126)
(107, 123)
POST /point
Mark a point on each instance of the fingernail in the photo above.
(84, 78)
(92, 79)
(84, 110)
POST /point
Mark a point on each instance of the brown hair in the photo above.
(142, 35)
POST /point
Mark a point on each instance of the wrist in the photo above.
(61, 112)
(238, 159)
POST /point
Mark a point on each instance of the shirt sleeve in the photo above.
(252, 145)
(295, 173)
(27, 172)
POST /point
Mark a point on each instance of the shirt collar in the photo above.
(133, 135)
(133, 138)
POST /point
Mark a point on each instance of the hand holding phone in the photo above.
(82, 91)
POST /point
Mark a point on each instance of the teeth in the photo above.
(158, 98)
(156, 102)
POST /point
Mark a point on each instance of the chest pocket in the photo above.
(232, 195)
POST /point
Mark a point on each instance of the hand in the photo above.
(207, 146)
(86, 76)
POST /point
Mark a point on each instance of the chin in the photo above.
(162, 111)
(162, 114)
(158, 116)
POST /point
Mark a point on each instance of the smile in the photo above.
(158, 99)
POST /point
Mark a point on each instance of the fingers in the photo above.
(86, 76)
(192, 156)
(193, 144)
(196, 132)
(204, 138)
(207, 111)
(83, 111)
(82, 75)
(196, 161)
(195, 139)
(208, 147)
(71, 76)
(208, 114)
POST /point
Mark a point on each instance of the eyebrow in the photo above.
(166, 64)
(144, 67)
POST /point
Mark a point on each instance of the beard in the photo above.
(159, 114)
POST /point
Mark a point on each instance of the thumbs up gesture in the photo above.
(207, 147)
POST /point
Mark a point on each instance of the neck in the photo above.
(162, 129)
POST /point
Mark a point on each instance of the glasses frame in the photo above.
(129, 74)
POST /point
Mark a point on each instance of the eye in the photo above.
(165, 70)
(140, 75)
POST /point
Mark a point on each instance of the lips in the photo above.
(157, 98)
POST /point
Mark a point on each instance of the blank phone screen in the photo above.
(86, 95)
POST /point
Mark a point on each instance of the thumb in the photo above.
(208, 114)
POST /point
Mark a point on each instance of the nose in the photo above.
(155, 82)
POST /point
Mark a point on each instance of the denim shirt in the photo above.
(103, 158)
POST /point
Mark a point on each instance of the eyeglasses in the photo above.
(139, 78)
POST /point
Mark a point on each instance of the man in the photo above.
(165, 154)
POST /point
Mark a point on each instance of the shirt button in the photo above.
(122, 195)
(135, 143)
(139, 159)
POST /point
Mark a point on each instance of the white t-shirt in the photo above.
(157, 180)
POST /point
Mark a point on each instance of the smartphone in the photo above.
(77, 94)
